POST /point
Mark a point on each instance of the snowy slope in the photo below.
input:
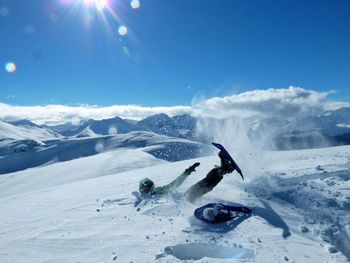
(20, 155)
(25, 131)
(300, 202)
(87, 132)
(106, 163)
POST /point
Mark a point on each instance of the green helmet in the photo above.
(146, 186)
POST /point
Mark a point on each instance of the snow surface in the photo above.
(16, 155)
(82, 210)
(9, 131)
(76, 170)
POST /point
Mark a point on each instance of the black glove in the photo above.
(192, 168)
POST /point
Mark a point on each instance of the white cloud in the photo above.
(271, 108)
(58, 114)
(290, 102)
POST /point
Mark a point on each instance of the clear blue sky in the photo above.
(174, 49)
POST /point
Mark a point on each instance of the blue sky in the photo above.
(174, 50)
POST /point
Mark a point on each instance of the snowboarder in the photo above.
(147, 187)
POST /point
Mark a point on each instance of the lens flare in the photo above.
(99, 147)
(112, 130)
(30, 30)
(10, 67)
(4, 11)
(126, 52)
(135, 4)
(122, 30)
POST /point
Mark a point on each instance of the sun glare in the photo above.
(98, 4)
(103, 9)
(106, 12)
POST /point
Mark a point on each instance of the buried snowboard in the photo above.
(215, 213)
(229, 157)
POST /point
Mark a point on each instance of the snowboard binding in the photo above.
(215, 213)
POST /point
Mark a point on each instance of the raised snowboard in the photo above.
(215, 213)
(229, 157)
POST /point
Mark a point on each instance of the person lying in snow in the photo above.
(147, 187)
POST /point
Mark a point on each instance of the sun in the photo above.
(103, 10)
(98, 4)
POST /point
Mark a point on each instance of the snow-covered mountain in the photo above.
(26, 130)
(69, 128)
(332, 123)
(18, 155)
(182, 126)
(95, 127)
(25, 144)
(111, 126)
(329, 128)
(83, 210)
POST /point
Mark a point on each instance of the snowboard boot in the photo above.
(225, 163)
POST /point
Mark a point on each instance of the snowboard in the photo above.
(215, 213)
(229, 157)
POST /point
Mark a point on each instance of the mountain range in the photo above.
(24, 144)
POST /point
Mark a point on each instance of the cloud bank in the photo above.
(59, 114)
(226, 119)
(289, 102)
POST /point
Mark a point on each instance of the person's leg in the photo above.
(210, 181)
(205, 185)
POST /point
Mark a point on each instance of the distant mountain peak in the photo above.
(23, 122)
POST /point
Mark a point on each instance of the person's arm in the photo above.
(163, 190)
